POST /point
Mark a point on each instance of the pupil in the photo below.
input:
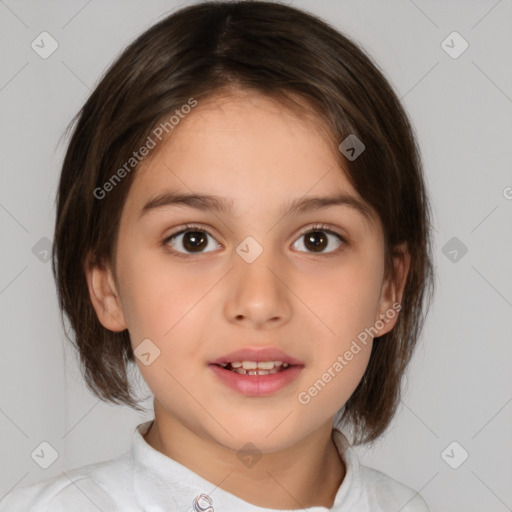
(194, 240)
(316, 240)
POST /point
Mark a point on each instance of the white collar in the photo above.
(160, 481)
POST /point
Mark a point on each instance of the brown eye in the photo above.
(192, 240)
(316, 240)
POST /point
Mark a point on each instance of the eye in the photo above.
(318, 237)
(193, 239)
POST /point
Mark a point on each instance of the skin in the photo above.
(196, 308)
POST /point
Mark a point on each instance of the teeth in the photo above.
(265, 365)
(267, 372)
(253, 365)
(241, 371)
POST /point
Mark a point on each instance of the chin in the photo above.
(267, 436)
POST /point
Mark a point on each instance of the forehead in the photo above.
(248, 149)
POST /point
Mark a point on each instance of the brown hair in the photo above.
(284, 53)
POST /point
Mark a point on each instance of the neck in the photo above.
(303, 475)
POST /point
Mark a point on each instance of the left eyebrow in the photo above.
(318, 203)
(224, 205)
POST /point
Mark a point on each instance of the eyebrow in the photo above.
(208, 202)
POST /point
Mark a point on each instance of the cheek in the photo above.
(157, 296)
(343, 296)
(333, 380)
(166, 305)
(345, 300)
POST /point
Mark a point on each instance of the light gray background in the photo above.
(459, 387)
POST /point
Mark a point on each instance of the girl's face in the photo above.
(250, 273)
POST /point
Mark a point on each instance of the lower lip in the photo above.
(257, 385)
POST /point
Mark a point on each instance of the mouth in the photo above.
(249, 360)
(257, 372)
(256, 367)
(256, 378)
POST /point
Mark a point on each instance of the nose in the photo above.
(258, 292)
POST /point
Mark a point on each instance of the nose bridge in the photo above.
(257, 291)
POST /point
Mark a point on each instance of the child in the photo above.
(242, 214)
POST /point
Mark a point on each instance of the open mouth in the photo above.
(256, 378)
(255, 368)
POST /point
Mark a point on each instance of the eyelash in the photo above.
(316, 227)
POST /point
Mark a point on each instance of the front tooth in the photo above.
(266, 365)
(236, 364)
(249, 365)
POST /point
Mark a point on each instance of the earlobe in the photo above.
(392, 291)
(104, 297)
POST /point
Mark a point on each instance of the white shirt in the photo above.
(145, 480)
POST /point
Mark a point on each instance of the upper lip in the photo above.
(258, 355)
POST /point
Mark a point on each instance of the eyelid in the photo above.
(308, 229)
(326, 228)
(322, 227)
(189, 227)
(183, 229)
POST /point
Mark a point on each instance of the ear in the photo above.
(392, 291)
(104, 296)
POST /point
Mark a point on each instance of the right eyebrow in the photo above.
(197, 201)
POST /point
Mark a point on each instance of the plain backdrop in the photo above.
(458, 391)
